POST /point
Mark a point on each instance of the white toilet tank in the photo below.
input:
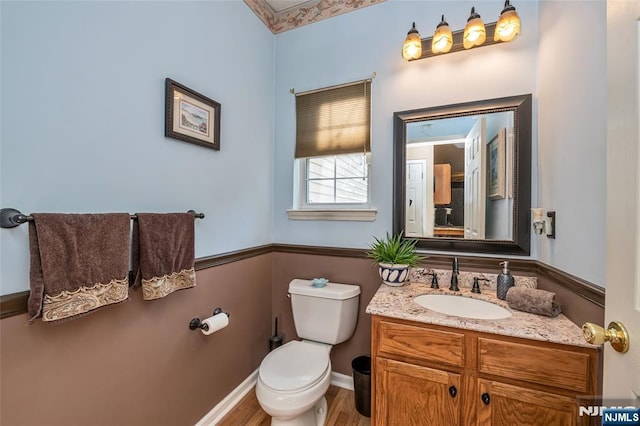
(326, 314)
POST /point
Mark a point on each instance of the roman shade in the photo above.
(335, 120)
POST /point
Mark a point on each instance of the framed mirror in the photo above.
(462, 176)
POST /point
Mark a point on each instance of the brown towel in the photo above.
(533, 300)
(163, 253)
(79, 262)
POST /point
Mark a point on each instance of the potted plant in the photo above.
(394, 255)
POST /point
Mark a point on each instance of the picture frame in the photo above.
(191, 116)
(496, 165)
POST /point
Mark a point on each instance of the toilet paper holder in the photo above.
(196, 323)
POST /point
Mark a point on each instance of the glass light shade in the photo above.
(474, 32)
(508, 26)
(442, 38)
(412, 48)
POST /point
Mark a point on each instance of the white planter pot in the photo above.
(393, 274)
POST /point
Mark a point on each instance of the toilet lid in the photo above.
(294, 366)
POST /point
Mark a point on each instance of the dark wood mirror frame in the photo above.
(521, 107)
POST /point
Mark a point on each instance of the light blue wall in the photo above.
(565, 75)
(69, 144)
(573, 135)
(351, 47)
(83, 117)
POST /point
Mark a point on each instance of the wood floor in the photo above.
(342, 411)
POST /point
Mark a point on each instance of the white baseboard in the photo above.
(230, 401)
(341, 380)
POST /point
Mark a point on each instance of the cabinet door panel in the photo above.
(443, 347)
(501, 404)
(546, 366)
(407, 394)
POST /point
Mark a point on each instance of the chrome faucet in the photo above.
(454, 275)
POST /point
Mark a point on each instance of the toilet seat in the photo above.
(294, 367)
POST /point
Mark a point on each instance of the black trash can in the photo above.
(361, 367)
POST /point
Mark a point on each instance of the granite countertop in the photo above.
(397, 302)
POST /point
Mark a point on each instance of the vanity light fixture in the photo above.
(412, 48)
(474, 32)
(544, 224)
(474, 35)
(442, 38)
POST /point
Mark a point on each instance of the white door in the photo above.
(414, 198)
(622, 371)
(475, 181)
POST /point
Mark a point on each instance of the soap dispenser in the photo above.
(505, 281)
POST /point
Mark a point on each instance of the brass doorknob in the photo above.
(616, 334)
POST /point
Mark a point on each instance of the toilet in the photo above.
(293, 378)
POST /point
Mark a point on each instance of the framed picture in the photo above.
(190, 116)
(496, 169)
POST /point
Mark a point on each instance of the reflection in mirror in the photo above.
(459, 177)
(462, 175)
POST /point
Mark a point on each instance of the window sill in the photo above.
(362, 215)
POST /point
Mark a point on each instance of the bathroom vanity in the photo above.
(430, 368)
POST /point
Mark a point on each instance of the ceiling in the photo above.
(440, 130)
(285, 15)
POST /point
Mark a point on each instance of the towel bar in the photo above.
(10, 218)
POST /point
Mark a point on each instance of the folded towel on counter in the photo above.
(533, 300)
(163, 253)
(528, 282)
(79, 263)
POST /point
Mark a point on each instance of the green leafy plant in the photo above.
(394, 249)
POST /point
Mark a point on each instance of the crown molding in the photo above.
(305, 13)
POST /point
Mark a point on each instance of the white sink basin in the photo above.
(462, 306)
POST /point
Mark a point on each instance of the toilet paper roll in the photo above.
(215, 323)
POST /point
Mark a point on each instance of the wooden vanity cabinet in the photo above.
(432, 375)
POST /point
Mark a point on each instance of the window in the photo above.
(333, 142)
(336, 179)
